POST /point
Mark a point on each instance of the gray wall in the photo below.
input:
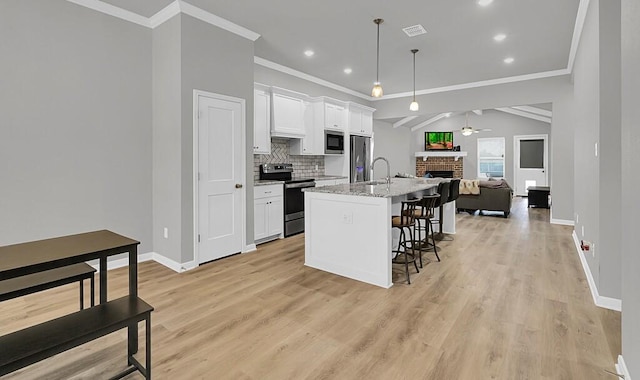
(501, 125)
(392, 144)
(597, 113)
(556, 90)
(75, 117)
(630, 184)
(610, 144)
(167, 123)
(217, 61)
(587, 120)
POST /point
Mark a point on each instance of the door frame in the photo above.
(516, 156)
(196, 139)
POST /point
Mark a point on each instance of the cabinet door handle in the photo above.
(238, 186)
(267, 192)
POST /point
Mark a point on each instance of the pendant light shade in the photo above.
(414, 106)
(377, 88)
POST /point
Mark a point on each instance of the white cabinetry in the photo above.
(268, 212)
(360, 120)
(313, 141)
(334, 115)
(261, 120)
(287, 113)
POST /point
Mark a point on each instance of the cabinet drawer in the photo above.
(267, 191)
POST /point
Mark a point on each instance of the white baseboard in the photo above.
(173, 265)
(622, 369)
(563, 222)
(122, 262)
(605, 302)
(249, 248)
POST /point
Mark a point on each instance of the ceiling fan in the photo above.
(468, 130)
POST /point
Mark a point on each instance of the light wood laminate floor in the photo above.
(508, 301)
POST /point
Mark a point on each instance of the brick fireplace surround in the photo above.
(439, 164)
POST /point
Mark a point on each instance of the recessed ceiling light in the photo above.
(500, 37)
(309, 53)
(348, 70)
(509, 60)
(484, 3)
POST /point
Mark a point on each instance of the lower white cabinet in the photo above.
(268, 211)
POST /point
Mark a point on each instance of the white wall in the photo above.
(394, 145)
(75, 123)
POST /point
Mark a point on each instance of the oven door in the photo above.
(294, 200)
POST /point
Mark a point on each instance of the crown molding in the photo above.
(218, 21)
(112, 10)
(583, 7)
(175, 8)
(484, 83)
(307, 77)
(164, 15)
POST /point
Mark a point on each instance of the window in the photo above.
(491, 157)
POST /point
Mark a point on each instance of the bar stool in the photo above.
(454, 193)
(425, 214)
(443, 190)
(405, 220)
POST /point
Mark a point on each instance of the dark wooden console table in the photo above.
(32, 257)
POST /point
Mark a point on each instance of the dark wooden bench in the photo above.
(36, 282)
(25, 347)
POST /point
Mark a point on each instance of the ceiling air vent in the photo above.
(415, 30)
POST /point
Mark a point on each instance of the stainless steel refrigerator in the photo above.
(360, 159)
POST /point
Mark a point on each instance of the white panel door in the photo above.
(530, 162)
(220, 215)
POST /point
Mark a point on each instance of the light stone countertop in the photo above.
(379, 188)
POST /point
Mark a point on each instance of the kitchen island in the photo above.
(348, 227)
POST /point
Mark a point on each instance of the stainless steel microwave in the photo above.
(333, 142)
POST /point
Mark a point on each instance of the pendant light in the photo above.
(414, 106)
(377, 88)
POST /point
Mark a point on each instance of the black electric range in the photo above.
(293, 194)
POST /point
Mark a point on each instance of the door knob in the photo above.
(238, 186)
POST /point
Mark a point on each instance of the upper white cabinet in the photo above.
(360, 120)
(287, 113)
(261, 120)
(313, 141)
(334, 116)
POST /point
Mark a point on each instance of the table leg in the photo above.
(103, 279)
(133, 291)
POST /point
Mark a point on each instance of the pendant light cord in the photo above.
(414, 76)
(378, 54)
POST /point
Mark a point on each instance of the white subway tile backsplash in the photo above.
(303, 166)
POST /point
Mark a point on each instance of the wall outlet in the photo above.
(596, 149)
(347, 218)
(166, 233)
(582, 231)
(316, 167)
(593, 250)
(577, 218)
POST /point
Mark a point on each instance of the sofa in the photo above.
(491, 195)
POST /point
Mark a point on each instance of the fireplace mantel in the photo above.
(455, 155)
